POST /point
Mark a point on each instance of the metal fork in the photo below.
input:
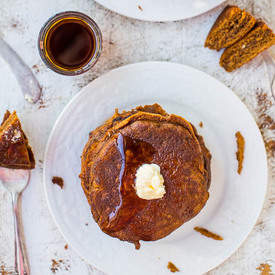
(15, 181)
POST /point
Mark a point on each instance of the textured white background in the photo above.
(124, 41)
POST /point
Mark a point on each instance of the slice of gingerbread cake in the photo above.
(257, 40)
(15, 151)
(232, 24)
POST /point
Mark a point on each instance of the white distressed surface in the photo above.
(125, 41)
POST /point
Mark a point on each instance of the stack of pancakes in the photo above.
(184, 163)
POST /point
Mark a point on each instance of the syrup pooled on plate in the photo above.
(133, 153)
(70, 43)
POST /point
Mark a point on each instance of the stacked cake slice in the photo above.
(241, 34)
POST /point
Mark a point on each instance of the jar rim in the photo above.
(54, 20)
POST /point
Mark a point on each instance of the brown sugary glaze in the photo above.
(231, 25)
(240, 151)
(208, 233)
(15, 151)
(111, 157)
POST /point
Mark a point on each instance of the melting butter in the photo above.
(149, 182)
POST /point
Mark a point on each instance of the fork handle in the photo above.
(21, 262)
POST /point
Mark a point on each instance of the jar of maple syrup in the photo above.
(70, 43)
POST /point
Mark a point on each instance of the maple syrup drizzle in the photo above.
(133, 153)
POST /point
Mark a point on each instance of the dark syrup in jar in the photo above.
(133, 153)
(70, 43)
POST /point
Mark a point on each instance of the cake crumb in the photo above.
(59, 265)
(201, 124)
(240, 152)
(59, 181)
(3, 270)
(54, 266)
(137, 245)
(35, 68)
(265, 269)
(41, 104)
(208, 234)
(270, 147)
(140, 8)
(263, 101)
(267, 122)
(66, 246)
(172, 267)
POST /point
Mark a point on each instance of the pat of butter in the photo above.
(149, 182)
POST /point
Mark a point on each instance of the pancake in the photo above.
(114, 152)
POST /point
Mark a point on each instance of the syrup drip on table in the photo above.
(133, 153)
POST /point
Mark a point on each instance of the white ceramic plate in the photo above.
(235, 200)
(160, 10)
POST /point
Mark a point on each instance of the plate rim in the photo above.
(159, 19)
(82, 90)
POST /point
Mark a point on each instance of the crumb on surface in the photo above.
(66, 246)
(137, 245)
(3, 270)
(201, 124)
(208, 234)
(58, 181)
(35, 68)
(265, 269)
(54, 266)
(172, 267)
(58, 265)
(41, 104)
(266, 122)
(140, 8)
(240, 151)
(86, 224)
(264, 103)
(270, 147)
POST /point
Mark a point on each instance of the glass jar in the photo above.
(63, 39)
